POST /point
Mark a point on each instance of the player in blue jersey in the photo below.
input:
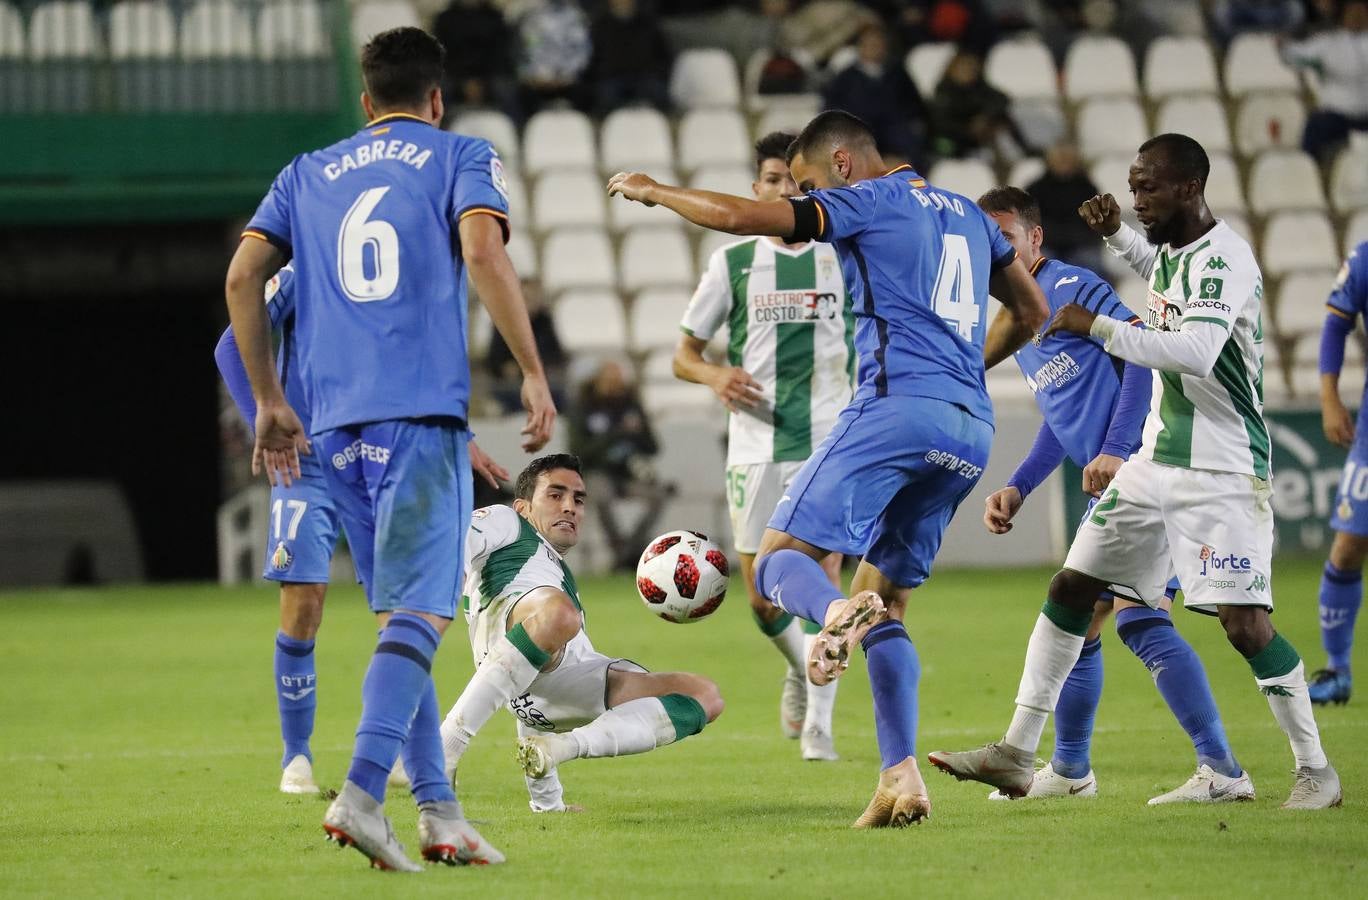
(1341, 590)
(380, 330)
(1094, 408)
(302, 531)
(919, 263)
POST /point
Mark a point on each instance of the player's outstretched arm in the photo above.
(733, 385)
(496, 282)
(1191, 351)
(1024, 312)
(720, 212)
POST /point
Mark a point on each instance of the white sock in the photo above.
(821, 701)
(1050, 656)
(1291, 704)
(634, 727)
(789, 643)
(505, 673)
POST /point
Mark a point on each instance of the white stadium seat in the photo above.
(589, 320)
(705, 78)
(519, 210)
(788, 112)
(1223, 192)
(635, 138)
(1112, 125)
(216, 29)
(523, 253)
(292, 29)
(374, 16)
(63, 30)
(1301, 302)
(1252, 64)
(710, 243)
(1238, 224)
(1111, 174)
(1041, 120)
(1356, 232)
(1349, 179)
(1179, 65)
(577, 258)
(925, 64)
(625, 214)
(569, 198)
(656, 313)
(1296, 241)
(651, 257)
(679, 400)
(658, 366)
(712, 137)
(558, 139)
(735, 178)
(1025, 171)
(1022, 68)
(494, 127)
(1284, 179)
(11, 32)
(142, 29)
(691, 451)
(1099, 66)
(1269, 120)
(1200, 117)
(970, 177)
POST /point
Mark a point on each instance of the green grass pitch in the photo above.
(139, 736)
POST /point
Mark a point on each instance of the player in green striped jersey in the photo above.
(789, 372)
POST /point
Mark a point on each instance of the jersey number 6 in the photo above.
(362, 239)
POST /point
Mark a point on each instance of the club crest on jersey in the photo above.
(1345, 509)
(281, 558)
(827, 266)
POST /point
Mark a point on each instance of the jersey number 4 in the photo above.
(954, 292)
(363, 240)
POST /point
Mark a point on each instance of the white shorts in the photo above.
(1216, 527)
(753, 491)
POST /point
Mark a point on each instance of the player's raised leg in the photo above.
(1341, 595)
(296, 681)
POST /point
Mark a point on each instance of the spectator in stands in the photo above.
(969, 116)
(820, 27)
(1340, 58)
(1063, 188)
(631, 61)
(964, 22)
(479, 56)
(1234, 17)
(876, 88)
(555, 53)
(611, 435)
(503, 368)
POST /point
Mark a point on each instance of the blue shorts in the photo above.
(402, 489)
(1350, 514)
(301, 532)
(886, 481)
(1170, 591)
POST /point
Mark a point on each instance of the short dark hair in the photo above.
(829, 128)
(527, 478)
(1012, 200)
(773, 146)
(1184, 156)
(401, 67)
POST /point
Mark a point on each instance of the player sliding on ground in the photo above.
(533, 655)
(1197, 491)
(919, 263)
(1094, 409)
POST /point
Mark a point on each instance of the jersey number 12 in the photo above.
(953, 295)
(362, 237)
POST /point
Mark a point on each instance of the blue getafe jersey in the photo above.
(1350, 298)
(380, 320)
(917, 261)
(280, 306)
(1075, 382)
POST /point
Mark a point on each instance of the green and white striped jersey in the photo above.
(790, 325)
(505, 556)
(1215, 422)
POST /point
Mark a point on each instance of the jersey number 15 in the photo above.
(362, 238)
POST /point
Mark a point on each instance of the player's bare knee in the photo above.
(1348, 552)
(301, 610)
(709, 696)
(1075, 590)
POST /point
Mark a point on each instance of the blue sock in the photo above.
(422, 753)
(893, 675)
(1075, 712)
(398, 676)
(296, 683)
(1341, 594)
(1182, 682)
(795, 583)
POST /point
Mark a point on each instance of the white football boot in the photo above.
(297, 777)
(1048, 783)
(356, 819)
(1315, 789)
(817, 744)
(1209, 786)
(539, 754)
(445, 836)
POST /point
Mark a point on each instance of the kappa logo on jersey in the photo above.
(1067, 279)
(281, 557)
(1213, 562)
(359, 449)
(1259, 584)
(496, 175)
(1216, 264)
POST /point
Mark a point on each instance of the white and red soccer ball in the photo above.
(682, 576)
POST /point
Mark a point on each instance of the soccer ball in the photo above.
(682, 576)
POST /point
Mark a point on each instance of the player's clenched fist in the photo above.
(1102, 214)
(1072, 319)
(735, 387)
(632, 185)
(1001, 506)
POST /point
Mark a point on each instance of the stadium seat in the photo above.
(925, 64)
(788, 112)
(1179, 65)
(11, 32)
(651, 257)
(216, 29)
(1022, 68)
(1356, 232)
(577, 258)
(494, 127)
(1041, 120)
(635, 138)
(64, 29)
(1025, 171)
(565, 198)
(1252, 64)
(712, 137)
(656, 313)
(1349, 180)
(559, 139)
(1111, 174)
(734, 179)
(709, 243)
(1099, 66)
(1238, 224)
(523, 253)
(141, 29)
(679, 400)
(1111, 125)
(658, 365)
(1223, 192)
(692, 451)
(1284, 179)
(590, 320)
(519, 210)
(704, 78)
(1301, 302)
(371, 17)
(1296, 241)
(1201, 117)
(1269, 120)
(970, 177)
(625, 214)
(292, 29)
